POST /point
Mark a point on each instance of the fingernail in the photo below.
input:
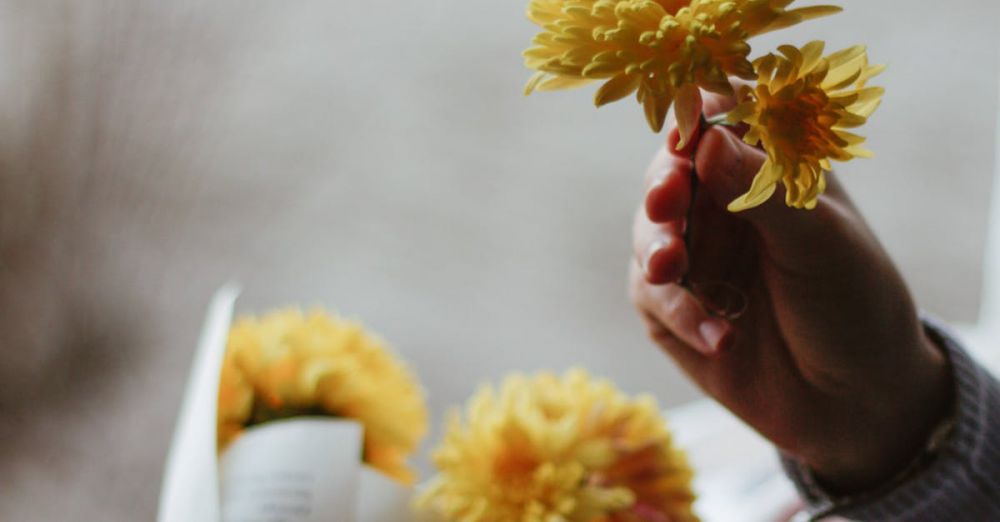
(713, 332)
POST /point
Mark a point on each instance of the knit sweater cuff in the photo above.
(962, 482)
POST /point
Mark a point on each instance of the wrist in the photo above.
(885, 430)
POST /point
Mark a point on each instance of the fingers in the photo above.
(668, 179)
(669, 196)
(659, 250)
(727, 166)
(658, 227)
(691, 361)
(680, 313)
(712, 104)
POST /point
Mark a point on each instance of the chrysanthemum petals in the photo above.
(558, 448)
(841, 77)
(843, 56)
(742, 112)
(870, 72)
(796, 16)
(616, 88)
(562, 82)
(800, 111)
(812, 53)
(596, 70)
(655, 108)
(533, 82)
(816, 11)
(763, 187)
(785, 73)
(765, 68)
(859, 152)
(810, 183)
(849, 137)
(848, 120)
(844, 98)
(868, 100)
(293, 362)
(687, 109)
(792, 53)
(668, 43)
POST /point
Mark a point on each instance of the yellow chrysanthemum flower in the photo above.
(551, 448)
(288, 364)
(664, 50)
(800, 111)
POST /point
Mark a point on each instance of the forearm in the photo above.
(959, 482)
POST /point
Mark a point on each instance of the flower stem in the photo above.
(719, 298)
(718, 119)
(704, 125)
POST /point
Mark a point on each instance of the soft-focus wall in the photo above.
(379, 158)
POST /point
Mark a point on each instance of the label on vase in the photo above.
(295, 470)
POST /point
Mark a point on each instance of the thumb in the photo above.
(833, 288)
(726, 168)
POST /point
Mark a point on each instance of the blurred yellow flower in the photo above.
(288, 364)
(549, 448)
(663, 50)
(800, 111)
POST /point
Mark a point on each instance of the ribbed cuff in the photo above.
(961, 482)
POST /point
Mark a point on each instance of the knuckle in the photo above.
(674, 306)
(637, 292)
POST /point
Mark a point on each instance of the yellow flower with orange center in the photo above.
(567, 448)
(800, 112)
(287, 364)
(662, 50)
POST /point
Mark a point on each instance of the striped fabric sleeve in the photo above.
(962, 482)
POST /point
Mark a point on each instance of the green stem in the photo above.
(718, 119)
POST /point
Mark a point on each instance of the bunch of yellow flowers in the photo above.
(564, 448)
(667, 51)
(288, 364)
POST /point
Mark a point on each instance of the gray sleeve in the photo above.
(962, 482)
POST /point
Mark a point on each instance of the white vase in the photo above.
(306, 470)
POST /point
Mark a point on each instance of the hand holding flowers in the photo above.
(830, 361)
(830, 339)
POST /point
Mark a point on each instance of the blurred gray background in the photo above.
(379, 158)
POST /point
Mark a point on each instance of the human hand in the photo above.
(829, 360)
